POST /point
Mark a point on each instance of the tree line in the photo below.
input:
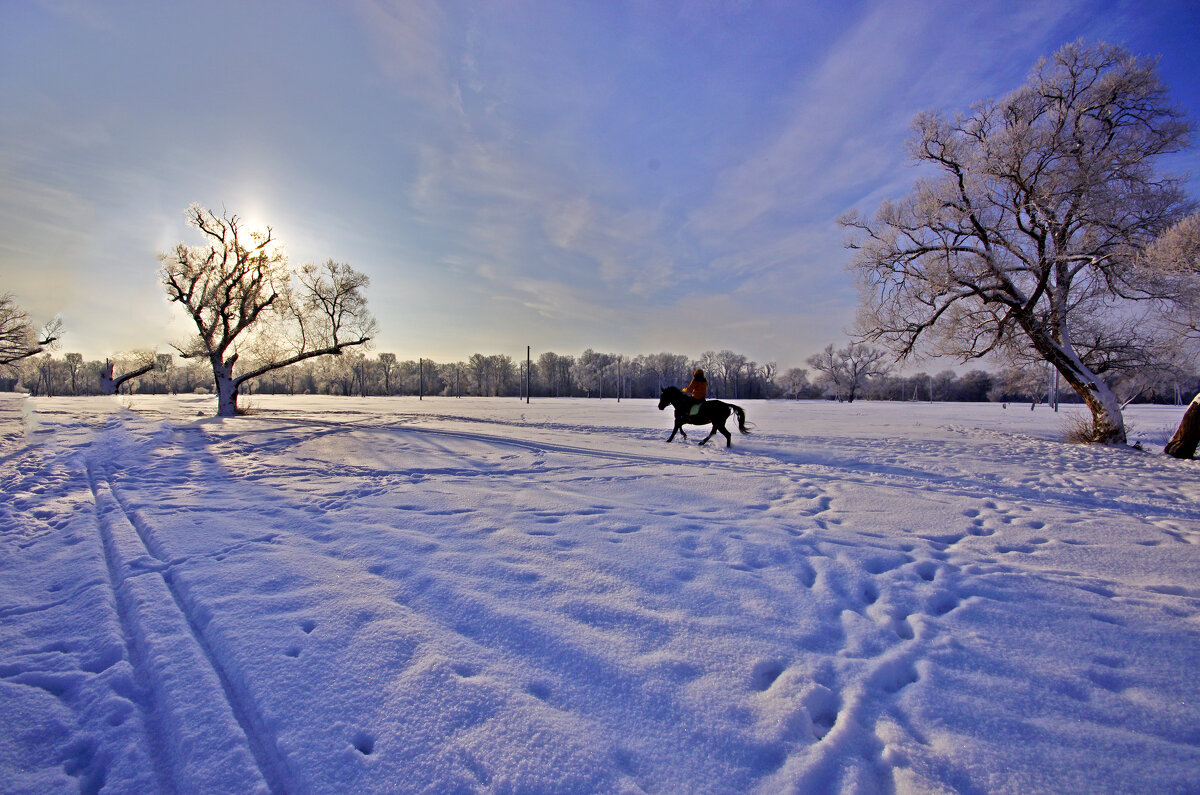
(587, 375)
(353, 373)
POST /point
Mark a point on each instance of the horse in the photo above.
(712, 412)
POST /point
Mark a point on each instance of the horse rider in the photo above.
(698, 388)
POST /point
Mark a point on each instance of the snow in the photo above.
(387, 595)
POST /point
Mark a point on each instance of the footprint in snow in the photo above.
(364, 743)
(764, 673)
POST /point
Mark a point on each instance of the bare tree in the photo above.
(767, 373)
(556, 370)
(141, 364)
(18, 339)
(729, 367)
(794, 383)
(847, 369)
(244, 298)
(387, 366)
(454, 375)
(74, 362)
(1028, 233)
(588, 371)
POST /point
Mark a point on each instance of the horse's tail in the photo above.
(741, 415)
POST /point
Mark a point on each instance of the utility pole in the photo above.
(1052, 385)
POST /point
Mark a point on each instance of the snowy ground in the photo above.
(392, 595)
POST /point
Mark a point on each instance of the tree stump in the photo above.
(1187, 435)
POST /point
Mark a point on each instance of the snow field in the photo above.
(484, 595)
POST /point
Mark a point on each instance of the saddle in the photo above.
(694, 410)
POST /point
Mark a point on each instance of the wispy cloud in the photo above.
(842, 141)
(406, 40)
(650, 174)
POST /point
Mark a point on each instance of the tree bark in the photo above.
(1187, 436)
(227, 387)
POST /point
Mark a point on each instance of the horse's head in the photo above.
(665, 400)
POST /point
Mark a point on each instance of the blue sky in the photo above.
(628, 176)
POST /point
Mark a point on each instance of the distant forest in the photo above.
(590, 375)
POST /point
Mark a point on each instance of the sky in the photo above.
(631, 177)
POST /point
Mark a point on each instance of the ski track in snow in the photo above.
(487, 596)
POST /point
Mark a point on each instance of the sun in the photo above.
(252, 233)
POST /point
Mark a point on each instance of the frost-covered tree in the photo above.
(589, 370)
(794, 383)
(1170, 270)
(846, 370)
(1028, 233)
(455, 376)
(18, 339)
(74, 362)
(1172, 267)
(556, 372)
(246, 300)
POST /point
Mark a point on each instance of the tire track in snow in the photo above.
(130, 636)
(211, 737)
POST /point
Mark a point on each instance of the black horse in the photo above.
(712, 412)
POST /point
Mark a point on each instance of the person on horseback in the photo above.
(697, 388)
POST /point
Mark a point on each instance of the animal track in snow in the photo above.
(539, 690)
(926, 570)
(764, 674)
(464, 670)
(895, 676)
(942, 603)
(364, 743)
(823, 706)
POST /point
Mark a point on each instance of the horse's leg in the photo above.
(677, 429)
(725, 431)
(710, 433)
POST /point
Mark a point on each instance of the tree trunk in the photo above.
(227, 388)
(1108, 426)
(1187, 436)
(110, 385)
